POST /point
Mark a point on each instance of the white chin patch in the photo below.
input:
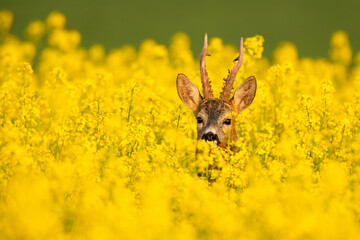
(215, 144)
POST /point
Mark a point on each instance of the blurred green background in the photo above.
(307, 23)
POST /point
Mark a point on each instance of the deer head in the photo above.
(213, 115)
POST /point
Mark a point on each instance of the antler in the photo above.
(229, 81)
(204, 76)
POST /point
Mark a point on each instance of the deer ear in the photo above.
(188, 92)
(244, 95)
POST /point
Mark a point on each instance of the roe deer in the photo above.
(214, 118)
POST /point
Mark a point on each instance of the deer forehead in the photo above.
(214, 108)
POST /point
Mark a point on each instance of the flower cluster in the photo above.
(97, 145)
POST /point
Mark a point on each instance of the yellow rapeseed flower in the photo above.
(286, 52)
(35, 30)
(6, 20)
(254, 46)
(55, 20)
(340, 51)
(97, 145)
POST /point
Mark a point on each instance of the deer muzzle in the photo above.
(210, 136)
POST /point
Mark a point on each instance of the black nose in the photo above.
(210, 137)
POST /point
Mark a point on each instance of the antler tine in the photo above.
(229, 81)
(203, 73)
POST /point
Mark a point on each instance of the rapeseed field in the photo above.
(98, 145)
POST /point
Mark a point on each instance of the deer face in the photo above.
(214, 121)
(214, 115)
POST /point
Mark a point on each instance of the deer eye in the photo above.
(227, 121)
(199, 120)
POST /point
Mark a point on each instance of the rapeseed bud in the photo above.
(97, 145)
(35, 30)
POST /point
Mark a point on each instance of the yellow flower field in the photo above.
(98, 145)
